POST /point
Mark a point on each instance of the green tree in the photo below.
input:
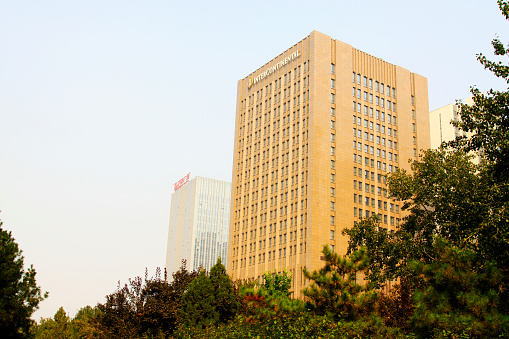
(85, 323)
(225, 302)
(272, 299)
(278, 284)
(487, 125)
(57, 327)
(335, 289)
(198, 303)
(457, 295)
(452, 248)
(444, 196)
(19, 294)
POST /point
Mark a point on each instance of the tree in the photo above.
(225, 302)
(457, 296)
(56, 327)
(452, 247)
(444, 196)
(271, 299)
(145, 308)
(278, 284)
(19, 294)
(335, 290)
(198, 303)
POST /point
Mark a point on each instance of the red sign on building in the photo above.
(181, 182)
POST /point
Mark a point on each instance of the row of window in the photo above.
(371, 162)
(370, 149)
(359, 199)
(378, 101)
(271, 255)
(379, 87)
(382, 218)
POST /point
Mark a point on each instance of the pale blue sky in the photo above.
(105, 104)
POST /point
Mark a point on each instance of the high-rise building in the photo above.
(441, 128)
(317, 128)
(199, 223)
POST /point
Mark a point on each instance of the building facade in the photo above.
(199, 224)
(317, 128)
(441, 128)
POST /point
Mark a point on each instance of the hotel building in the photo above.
(317, 128)
(199, 224)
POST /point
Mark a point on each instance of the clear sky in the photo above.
(105, 104)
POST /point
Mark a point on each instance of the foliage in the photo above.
(457, 296)
(62, 326)
(271, 300)
(225, 301)
(395, 306)
(19, 293)
(145, 308)
(487, 121)
(198, 303)
(278, 284)
(451, 250)
(335, 290)
(298, 326)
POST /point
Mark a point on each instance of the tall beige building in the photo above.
(441, 128)
(317, 128)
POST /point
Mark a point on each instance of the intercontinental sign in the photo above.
(272, 69)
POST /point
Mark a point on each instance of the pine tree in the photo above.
(19, 293)
(225, 302)
(335, 289)
(457, 296)
(198, 303)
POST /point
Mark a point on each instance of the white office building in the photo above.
(199, 224)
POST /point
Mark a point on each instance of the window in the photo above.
(332, 151)
(332, 68)
(370, 83)
(331, 235)
(332, 98)
(332, 220)
(377, 84)
(332, 137)
(365, 81)
(332, 192)
(332, 83)
(332, 124)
